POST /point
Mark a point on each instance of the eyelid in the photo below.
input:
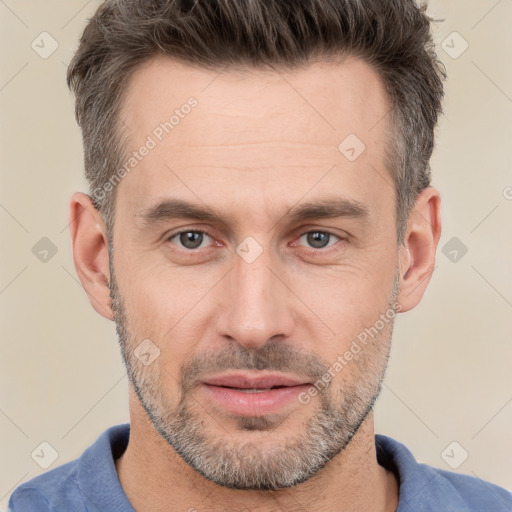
(326, 231)
(322, 249)
(171, 236)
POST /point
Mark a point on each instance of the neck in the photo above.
(155, 478)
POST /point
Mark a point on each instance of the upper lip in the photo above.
(248, 381)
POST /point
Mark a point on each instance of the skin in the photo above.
(254, 148)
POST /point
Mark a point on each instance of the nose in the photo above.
(256, 304)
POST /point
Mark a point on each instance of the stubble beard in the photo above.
(267, 456)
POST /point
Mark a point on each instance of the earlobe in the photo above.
(417, 255)
(90, 252)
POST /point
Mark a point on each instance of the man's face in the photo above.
(259, 296)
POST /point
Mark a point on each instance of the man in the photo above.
(260, 210)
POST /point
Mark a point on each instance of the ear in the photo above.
(418, 253)
(90, 252)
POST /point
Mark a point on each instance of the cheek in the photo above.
(346, 309)
(156, 295)
(162, 305)
(359, 367)
(348, 295)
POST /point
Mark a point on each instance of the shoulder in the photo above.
(424, 488)
(71, 485)
(43, 492)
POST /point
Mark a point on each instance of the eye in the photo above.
(190, 240)
(319, 239)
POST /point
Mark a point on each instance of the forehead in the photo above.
(253, 129)
(324, 99)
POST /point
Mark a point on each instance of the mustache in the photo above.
(274, 355)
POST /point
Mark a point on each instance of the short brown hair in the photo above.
(391, 35)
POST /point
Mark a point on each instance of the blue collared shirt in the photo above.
(90, 483)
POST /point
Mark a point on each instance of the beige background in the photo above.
(61, 376)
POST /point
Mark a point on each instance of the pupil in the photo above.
(189, 239)
(318, 239)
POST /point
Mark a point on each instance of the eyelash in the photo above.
(310, 249)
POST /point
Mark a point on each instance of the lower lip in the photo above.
(256, 403)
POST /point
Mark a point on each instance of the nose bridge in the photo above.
(256, 307)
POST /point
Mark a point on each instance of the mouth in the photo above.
(253, 390)
(253, 394)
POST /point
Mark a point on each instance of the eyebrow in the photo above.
(170, 209)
